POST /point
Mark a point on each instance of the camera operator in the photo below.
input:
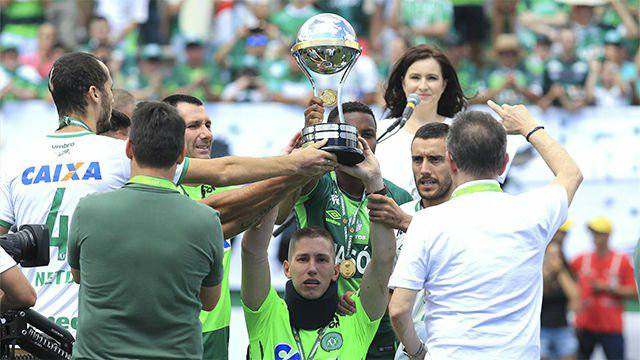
(15, 290)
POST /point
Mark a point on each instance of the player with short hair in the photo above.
(337, 202)
(305, 325)
(45, 180)
(239, 208)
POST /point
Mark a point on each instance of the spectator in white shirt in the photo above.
(478, 256)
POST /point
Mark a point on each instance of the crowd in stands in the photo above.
(545, 52)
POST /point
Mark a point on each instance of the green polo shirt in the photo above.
(215, 323)
(271, 336)
(322, 208)
(143, 251)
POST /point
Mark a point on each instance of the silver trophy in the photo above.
(326, 46)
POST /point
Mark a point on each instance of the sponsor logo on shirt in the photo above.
(61, 172)
(60, 277)
(284, 351)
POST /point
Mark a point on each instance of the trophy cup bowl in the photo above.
(326, 46)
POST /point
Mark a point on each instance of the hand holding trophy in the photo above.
(326, 46)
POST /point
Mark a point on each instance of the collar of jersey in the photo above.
(70, 134)
(153, 181)
(476, 186)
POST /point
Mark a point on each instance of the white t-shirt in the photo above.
(479, 257)
(418, 308)
(42, 185)
(6, 261)
(394, 155)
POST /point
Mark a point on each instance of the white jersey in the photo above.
(418, 308)
(42, 185)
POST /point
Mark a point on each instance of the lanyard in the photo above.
(68, 121)
(350, 222)
(419, 205)
(490, 187)
(153, 181)
(314, 349)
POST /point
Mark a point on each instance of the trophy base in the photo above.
(342, 141)
(346, 155)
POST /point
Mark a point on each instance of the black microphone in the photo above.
(412, 101)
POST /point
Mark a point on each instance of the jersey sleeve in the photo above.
(7, 218)
(626, 272)
(309, 205)
(412, 268)
(181, 170)
(548, 207)
(364, 328)
(6, 261)
(216, 274)
(320, 191)
(257, 321)
(398, 194)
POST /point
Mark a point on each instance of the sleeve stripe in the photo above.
(184, 170)
(5, 224)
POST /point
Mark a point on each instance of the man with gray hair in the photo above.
(479, 255)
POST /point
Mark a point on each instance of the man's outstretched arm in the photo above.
(240, 208)
(236, 170)
(256, 277)
(374, 293)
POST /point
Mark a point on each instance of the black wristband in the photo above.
(533, 131)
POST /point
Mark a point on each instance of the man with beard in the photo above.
(44, 185)
(478, 256)
(337, 202)
(305, 325)
(433, 182)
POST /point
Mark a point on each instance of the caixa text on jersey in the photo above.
(61, 172)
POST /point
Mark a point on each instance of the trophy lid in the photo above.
(326, 43)
(326, 30)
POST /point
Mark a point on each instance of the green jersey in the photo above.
(326, 206)
(215, 323)
(271, 336)
(322, 208)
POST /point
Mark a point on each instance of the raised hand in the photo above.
(314, 113)
(384, 209)
(368, 171)
(516, 119)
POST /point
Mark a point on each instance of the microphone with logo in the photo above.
(412, 101)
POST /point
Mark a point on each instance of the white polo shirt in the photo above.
(479, 258)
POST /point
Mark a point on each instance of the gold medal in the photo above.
(348, 268)
(328, 97)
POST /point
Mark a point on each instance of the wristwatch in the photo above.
(422, 351)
